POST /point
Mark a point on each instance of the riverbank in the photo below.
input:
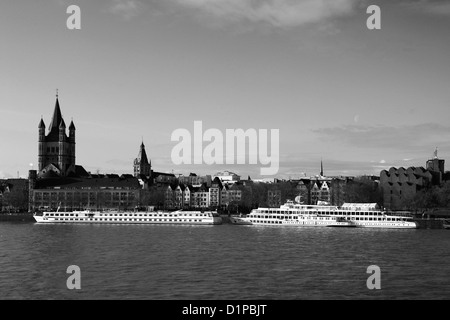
(430, 223)
(24, 217)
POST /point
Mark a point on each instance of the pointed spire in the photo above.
(142, 157)
(321, 168)
(41, 124)
(62, 125)
(57, 116)
(71, 126)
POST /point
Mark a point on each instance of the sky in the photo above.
(360, 100)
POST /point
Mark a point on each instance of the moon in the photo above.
(356, 118)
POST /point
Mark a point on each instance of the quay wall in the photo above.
(22, 217)
(430, 223)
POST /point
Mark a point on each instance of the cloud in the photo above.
(435, 7)
(126, 8)
(278, 13)
(407, 137)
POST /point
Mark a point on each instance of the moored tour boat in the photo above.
(156, 217)
(348, 215)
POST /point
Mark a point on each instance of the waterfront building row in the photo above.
(217, 195)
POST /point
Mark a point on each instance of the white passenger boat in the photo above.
(156, 217)
(349, 215)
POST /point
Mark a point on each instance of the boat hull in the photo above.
(338, 224)
(198, 218)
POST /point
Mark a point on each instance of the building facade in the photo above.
(399, 185)
(107, 193)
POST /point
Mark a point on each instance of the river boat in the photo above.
(155, 217)
(360, 215)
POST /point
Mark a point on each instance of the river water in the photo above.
(222, 262)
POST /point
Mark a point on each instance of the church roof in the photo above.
(57, 117)
(71, 126)
(53, 135)
(142, 157)
(41, 124)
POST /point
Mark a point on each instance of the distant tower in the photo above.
(141, 164)
(436, 164)
(437, 168)
(56, 150)
(321, 168)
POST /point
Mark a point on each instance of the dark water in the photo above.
(221, 262)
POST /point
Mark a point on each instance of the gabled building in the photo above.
(200, 197)
(215, 200)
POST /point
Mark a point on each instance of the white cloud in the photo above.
(279, 13)
(407, 137)
(126, 8)
(436, 7)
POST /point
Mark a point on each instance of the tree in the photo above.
(16, 200)
(362, 191)
(444, 195)
(153, 196)
(245, 204)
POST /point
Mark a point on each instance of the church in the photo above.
(56, 149)
(61, 183)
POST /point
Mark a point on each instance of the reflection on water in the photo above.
(221, 262)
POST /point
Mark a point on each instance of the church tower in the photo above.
(56, 149)
(141, 164)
